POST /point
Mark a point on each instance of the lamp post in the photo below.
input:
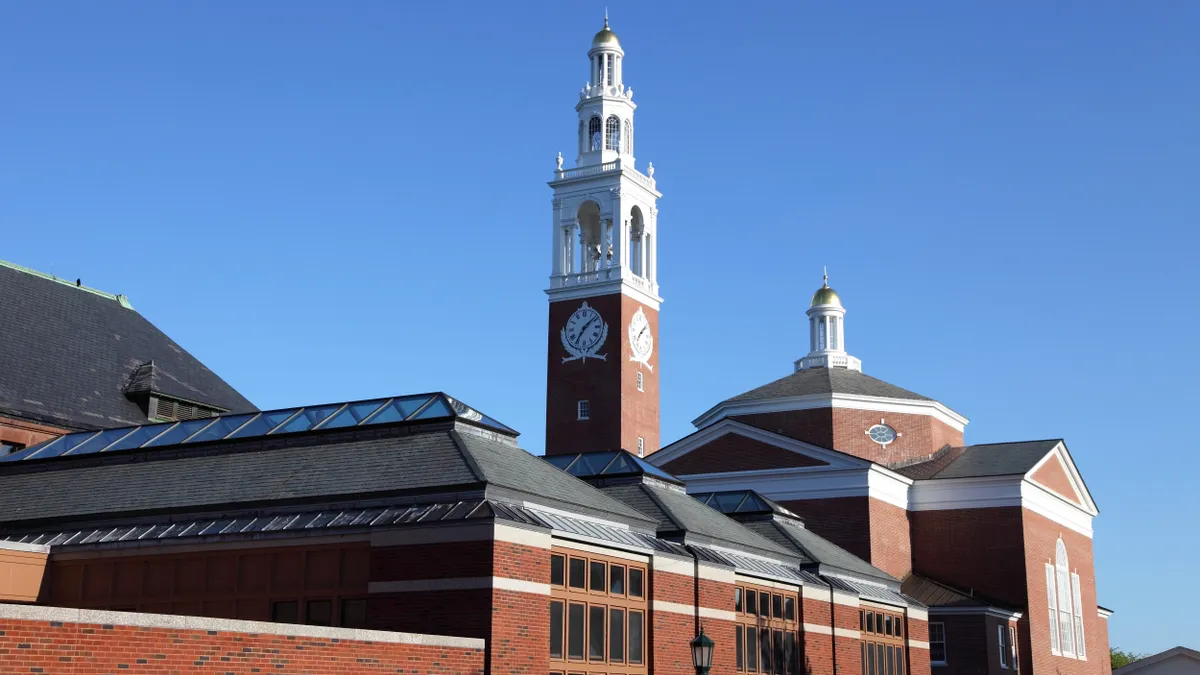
(702, 653)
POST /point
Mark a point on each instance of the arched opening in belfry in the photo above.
(637, 242)
(590, 253)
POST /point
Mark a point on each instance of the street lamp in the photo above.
(702, 653)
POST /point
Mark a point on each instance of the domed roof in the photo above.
(826, 295)
(606, 37)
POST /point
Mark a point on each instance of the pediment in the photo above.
(730, 445)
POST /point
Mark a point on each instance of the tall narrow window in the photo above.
(1001, 639)
(612, 133)
(629, 137)
(556, 630)
(1077, 603)
(1052, 603)
(1012, 646)
(640, 384)
(1065, 618)
(937, 643)
(608, 71)
(821, 335)
(641, 447)
(594, 139)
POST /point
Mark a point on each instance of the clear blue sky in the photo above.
(326, 201)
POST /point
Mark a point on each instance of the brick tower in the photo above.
(602, 358)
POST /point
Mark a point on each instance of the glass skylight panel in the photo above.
(99, 441)
(222, 427)
(621, 464)
(308, 418)
(729, 501)
(354, 413)
(265, 422)
(139, 436)
(561, 461)
(67, 444)
(179, 432)
(591, 464)
(399, 409)
(36, 450)
(753, 504)
(437, 408)
(653, 470)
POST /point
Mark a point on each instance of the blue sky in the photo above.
(327, 201)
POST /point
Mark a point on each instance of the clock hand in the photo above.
(585, 325)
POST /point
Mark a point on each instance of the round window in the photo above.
(882, 434)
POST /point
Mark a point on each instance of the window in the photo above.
(640, 381)
(594, 134)
(641, 447)
(1077, 603)
(1002, 645)
(1065, 619)
(937, 643)
(597, 613)
(628, 137)
(285, 612)
(765, 630)
(9, 447)
(1051, 602)
(354, 613)
(882, 640)
(319, 613)
(612, 133)
(583, 410)
(582, 138)
(1012, 646)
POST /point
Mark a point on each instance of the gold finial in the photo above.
(606, 16)
(826, 279)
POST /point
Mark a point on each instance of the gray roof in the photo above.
(815, 549)
(70, 352)
(827, 381)
(936, 594)
(313, 468)
(676, 512)
(974, 461)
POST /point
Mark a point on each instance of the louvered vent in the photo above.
(169, 410)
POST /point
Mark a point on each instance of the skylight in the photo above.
(268, 423)
(607, 463)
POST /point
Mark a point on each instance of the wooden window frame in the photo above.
(606, 600)
(763, 622)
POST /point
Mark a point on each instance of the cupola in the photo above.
(826, 332)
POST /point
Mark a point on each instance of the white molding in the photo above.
(916, 614)
(918, 644)
(816, 629)
(882, 404)
(24, 548)
(689, 610)
(888, 486)
(523, 536)
(712, 432)
(1068, 464)
(459, 584)
(41, 613)
(687, 568)
(987, 610)
(607, 287)
(847, 633)
(1104, 613)
(997, 491)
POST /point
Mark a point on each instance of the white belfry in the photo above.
(826, 333)
(605, 218)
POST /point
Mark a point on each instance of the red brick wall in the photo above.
(891, 543)
(519, 643)
(1053, 476)
(58, 647)
(27, 433)
(846, 521)
(619, 412)
(918, 658)
(734, 452)
(980, 549)
(1041, 537)
(461, 613)
(844, 429)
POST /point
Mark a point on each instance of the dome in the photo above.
(826, 295)
(606, 38)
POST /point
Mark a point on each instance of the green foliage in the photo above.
(1120, 658)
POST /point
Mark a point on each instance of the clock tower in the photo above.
(602, 368)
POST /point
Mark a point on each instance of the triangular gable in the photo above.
(730, 445)
(1057, 473)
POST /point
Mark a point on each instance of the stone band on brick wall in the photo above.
(459, 584)
(705, 612)
(178, 622)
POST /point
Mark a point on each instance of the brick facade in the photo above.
(124, 642)
(954, 547)
(1054, 476)
(844, 430)
(734, 452)
(27, 433)
(619, 413)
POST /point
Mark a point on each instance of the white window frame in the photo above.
(1001, 637)
(1077, 602)
(1012, 646)
(1052, 605)
(1066, 617)
(640, 381)
(583, 410)
(941, 628)
(641, 447)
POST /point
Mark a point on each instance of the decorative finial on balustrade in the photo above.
(559, 161)
(650, 169)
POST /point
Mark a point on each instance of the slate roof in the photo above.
(826, 381)
(69, 353)
(356, 464)
(677, 513)
(975, 461)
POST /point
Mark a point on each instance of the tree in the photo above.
(1120, 658)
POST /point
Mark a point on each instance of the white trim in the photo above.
(710, 433)
(915, 614)
(687, 568)
(779, 586)
(688, 610)
(25, 548)
(42, 613)
(1064, 457)
(816, 629)
(459, 584)
(918, 644)
(613, 287)
(1104, 613)
(847, 633)
(523, 536)
(997, 612)
(882, 404)
(996, 491)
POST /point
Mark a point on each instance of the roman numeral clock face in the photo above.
(584, 334)
(641, 340)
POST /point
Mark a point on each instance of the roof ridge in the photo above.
(658, 502)
(120, 298)
(468, 458)
(1032, 440)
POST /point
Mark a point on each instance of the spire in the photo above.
(826, 331)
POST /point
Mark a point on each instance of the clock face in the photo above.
(641, 340)
(584, 334)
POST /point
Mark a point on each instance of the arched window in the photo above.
(1066, 606)
(628, 137)
(582, 138)
(612, 133)
(594, 134)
